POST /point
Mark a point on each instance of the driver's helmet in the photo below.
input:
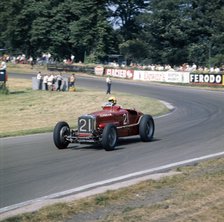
(112, 100)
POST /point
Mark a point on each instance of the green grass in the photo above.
(26, 111)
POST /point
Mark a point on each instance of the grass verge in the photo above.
(25, 111)
(25, 68)
(196, 194)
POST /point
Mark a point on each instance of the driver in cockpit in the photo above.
(112, 100)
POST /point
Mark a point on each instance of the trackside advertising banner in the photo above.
(164, 76)
(210, 79)
(99, 70)
(120, 73)
(161, 76)
(149, 76)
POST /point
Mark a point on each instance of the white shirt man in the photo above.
(39, 76)
(3, 66)
(108, 81)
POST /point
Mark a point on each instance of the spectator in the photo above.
(194, 67)
(3, 71)
(108, 81)
(53, 82)
(72, 58)
(72, 80)
(39, 80)
(3, 65)
(217, 69)
(45, 81)
(50, 82)
(59, 81)
(211, 69)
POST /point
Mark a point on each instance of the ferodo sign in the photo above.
(120, 73)
(214, 79)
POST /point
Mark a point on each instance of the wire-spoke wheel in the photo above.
(146, 128)
(109, 137)
(61, 131)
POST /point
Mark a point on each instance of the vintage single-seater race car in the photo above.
(105, 127)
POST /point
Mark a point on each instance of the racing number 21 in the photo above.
(85, 125)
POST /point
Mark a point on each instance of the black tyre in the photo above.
(146, 128)
(61, 130)
(109, 137)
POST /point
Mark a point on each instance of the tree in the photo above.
(59, 27)
(171, 31)
(125, 16)
(134, 51)
(9, 10)
(206, 31)
(90, 29)
(164, 31)
(180, 31)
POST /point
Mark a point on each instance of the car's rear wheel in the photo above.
(109, 137)
(61, 131)
(146, 128)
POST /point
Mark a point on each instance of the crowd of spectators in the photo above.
(23, 59)
(47, 58)
(182, 68)
(54, 81)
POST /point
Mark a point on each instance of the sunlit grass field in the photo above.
(30, 111)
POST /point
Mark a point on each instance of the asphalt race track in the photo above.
(32, 167)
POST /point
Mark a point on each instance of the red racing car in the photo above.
(105, 127)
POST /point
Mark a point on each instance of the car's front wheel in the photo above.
(109, 137)
(146, 128)
(61, 131)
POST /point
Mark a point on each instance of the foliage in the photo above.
(181, 31)
(134, 50)
(171, 31)
(125, 14)
(59, 27)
